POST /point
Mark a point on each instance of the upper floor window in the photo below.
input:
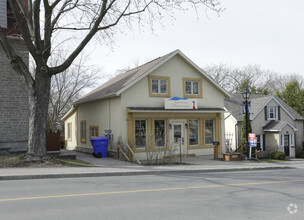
(192, 88)
(159, 86)
(272, 113)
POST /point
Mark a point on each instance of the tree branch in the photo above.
(16, 62)
(24, 29)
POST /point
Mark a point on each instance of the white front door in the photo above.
(178, 137)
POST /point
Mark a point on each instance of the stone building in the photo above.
(14, 108)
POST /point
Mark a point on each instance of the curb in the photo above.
(132, 173)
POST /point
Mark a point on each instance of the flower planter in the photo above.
(232, 157)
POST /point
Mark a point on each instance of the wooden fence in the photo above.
(53, 142)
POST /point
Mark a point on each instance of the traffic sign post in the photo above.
(252, 142)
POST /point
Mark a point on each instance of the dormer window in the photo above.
(272, 113)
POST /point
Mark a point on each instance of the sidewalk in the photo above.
(112, 167)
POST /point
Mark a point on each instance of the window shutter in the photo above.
(282, 140)
(279, 112)
(264, 146)
(265, 110)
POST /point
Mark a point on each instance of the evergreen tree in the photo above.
(293, 95)
(244, 131)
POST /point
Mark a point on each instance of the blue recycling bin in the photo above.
(100, 146)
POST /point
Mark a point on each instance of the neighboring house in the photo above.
(277, 126)
(135, 106)
(14, 109)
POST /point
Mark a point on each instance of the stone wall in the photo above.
(13, 101)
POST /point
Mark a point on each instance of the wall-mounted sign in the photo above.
(180, 103)
(3, 13)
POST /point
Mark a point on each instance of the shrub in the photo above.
(277, 155)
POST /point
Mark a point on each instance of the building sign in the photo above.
(3, 14)
(180, 103)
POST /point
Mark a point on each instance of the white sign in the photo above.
(175, 103)
(3, 14)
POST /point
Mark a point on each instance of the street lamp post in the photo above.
(246, 96)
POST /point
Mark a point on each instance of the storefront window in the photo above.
(140, 133)
(209, 131)
(160, 133)
(193, 132)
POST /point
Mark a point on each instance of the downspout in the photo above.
(109, 126)
(236, 135)
(109, 114)
(76, 132)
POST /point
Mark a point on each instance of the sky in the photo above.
(269, 33)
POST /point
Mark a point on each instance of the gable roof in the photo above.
(258, 102)
(277, 126)
(122, 82)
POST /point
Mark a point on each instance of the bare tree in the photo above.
(44, 21)
(67, 87)
(221, 73)
(283, 80)
(235, 79)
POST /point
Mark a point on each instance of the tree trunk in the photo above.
(38, 102)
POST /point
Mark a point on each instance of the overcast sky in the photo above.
(265, 32)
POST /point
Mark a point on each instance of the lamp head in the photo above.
(246, 94)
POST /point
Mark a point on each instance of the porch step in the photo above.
(62, 154)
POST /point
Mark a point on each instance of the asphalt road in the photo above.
(271, 194)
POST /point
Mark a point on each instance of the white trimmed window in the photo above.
(272, 113)
(260, 142)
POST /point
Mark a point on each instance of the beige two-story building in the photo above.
(167, 103)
